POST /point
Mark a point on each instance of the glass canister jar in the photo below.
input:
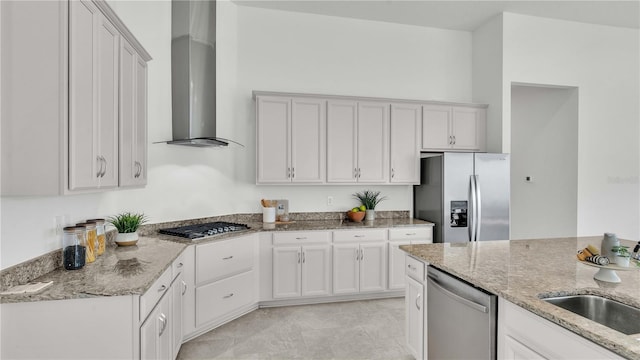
(102, 237)
(74, 245)
(92, 240)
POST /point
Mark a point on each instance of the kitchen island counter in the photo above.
(524, 271)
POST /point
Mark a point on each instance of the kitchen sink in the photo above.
(610, 313)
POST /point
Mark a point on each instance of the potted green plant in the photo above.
(127, 224)
(369, 199)
(622, 255)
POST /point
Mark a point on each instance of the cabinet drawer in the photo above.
(422, 234)
(295, 238)
(222, 297)
(178, 265)
(360, 235)
(221, 259)
(414, 268)
(149, 299)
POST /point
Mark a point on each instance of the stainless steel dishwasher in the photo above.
(461, 319)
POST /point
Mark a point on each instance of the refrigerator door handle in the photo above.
(471, 223)
(478, 209)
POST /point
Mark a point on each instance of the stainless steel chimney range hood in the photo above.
(193, 74)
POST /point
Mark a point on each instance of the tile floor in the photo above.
(372, 329)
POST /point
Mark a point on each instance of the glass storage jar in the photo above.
(74, 245)
(92, 240)
(102, 237)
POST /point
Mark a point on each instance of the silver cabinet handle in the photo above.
(298, 257)
(357, 254)
(227, 258)
(293, 172)
(410, 266)
(162, 288)
(288, 173)
(180, 265)
(358, 173)
(410, 234)
(454, 139)
(303, 257)
(355, 173)
(393, 173)
(358, 236)
(361, 254)
(457, 297)
(163, 321)
(99, 170)
(184, 287)
(301, 238)
(227, 296)
(417, 301)
(135, 175)
(105, 166)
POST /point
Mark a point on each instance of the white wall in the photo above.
(262, 50)
(602, 62)
(544, 130)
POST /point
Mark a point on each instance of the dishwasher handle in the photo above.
(457, 297)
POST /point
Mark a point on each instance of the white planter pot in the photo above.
(127, 239)
(370, 215)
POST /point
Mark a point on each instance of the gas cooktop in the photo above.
(201, 230)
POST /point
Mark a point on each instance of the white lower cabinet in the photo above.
(524, 335)
(155, 332)
(404, 236)
(301, 264)
(359, 267)
(415, 308)
(215, 300)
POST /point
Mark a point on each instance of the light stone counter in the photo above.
(524, 271)
(132, 270)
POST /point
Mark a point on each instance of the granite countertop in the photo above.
(524, 271)
(128, 270)
(132, 270)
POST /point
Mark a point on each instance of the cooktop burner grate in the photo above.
(201, 230)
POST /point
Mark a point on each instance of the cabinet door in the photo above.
(133, 117)
(273, 132)
(178, 290)
(308, 124)
(286, 271)
(189, 297)
(373, 266)
(414, 321)
(396, 266)
(346, 269)
(155, 332)
(373, 142)
(140, 123)
(108, 41)
(515, 350)
(316, 270)
(342, 124)
(435, 127)
(406, 121)
(465, 128)
(85, 163)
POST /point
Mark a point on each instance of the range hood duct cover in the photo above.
(193, 74)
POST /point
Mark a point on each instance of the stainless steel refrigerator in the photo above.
(466, 195)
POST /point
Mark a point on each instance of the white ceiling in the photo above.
(462, 15)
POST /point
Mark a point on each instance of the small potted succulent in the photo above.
(369, 199)
(622, 255)
(127, 224)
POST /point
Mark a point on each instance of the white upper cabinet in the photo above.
(357, 142)
(133, 117)
(453, 128)
(72, 52)
(406, 124)
(93, 98)
(291, 140)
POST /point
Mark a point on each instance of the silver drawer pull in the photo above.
(162, 288)
(418, 301)
(301, 238)
(228, 257)
(180, 265)
(358, 236)
(227, 296)
(410, 234)
(411, 267)
(184, 287)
